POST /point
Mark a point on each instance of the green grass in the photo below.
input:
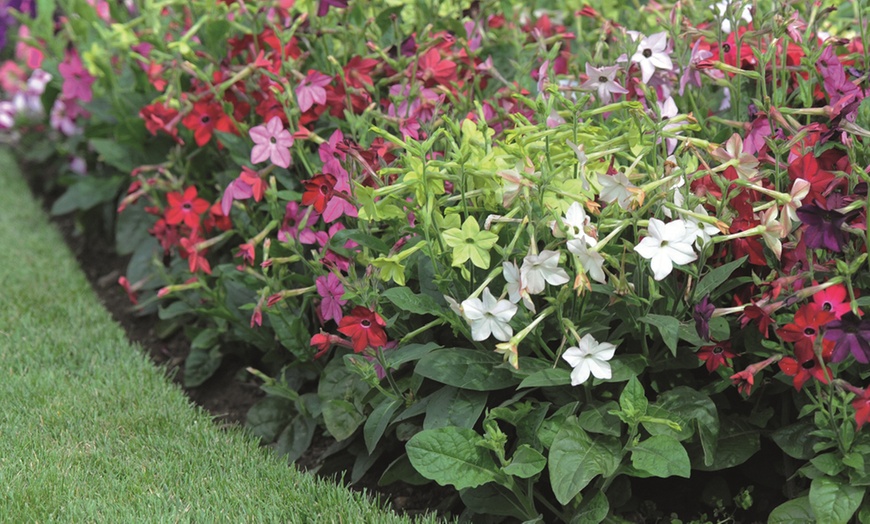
(91, 431)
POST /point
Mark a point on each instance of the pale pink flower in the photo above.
(311, 90)
(652, 53)
(602, 81)
(272, 142)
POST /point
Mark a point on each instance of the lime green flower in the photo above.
(470, 243)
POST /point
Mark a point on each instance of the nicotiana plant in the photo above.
(535, 255)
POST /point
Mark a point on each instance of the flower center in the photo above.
(647, 53)
(809, 364)
(827, 306)
(469, 241)
(186, 206)
(205, 119)
(365, 323)
(717, 350)
(602, 79)
(273, 140)
(809, 331)
(324, 189)
(726, 48)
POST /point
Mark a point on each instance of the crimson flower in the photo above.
(833, 299)
(760, 314)
(807, 322)
(159, 117)
(862, 408)
(744, 380)
(204, 119)
(364, 327)
(432, 69)
(807, 167)
(195, 257)
(318, 191)
(716, 355)
(804, 366)
(185, 208)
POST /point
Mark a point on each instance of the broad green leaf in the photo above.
(336, 243)
(131, 228)
(401, 470)
(668, 327)
(576, 458)
(121, 157)
(268, 416)
(833, 501)
(409, 353)
(450, 406)
(467, 369)
(661, 456)
(698, 407)
(633, 401)
(378, 420)
(553, 425)
(592, 510)
(200, 365)
(547, 377)
(738, 441)
(86, 193)
(715, 278)
(405, 299)
(492, 499)
(797, 511)
(624, 368)
(296, 438)
(526, 462)
(796, 439)
(341, 418)
(452, 456)
(339, 382)
(596, 418)
(828, 463)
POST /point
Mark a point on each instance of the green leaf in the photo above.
(592, 509)
(268, 416)
(378, 420)
(132, 228)
(87, 193)
(738, 441)
(341, 418)
(625, 367)
(200, 365)
(492, 499)
(661, 456)
(409, 353)
(405, 299)
(796, 439)
(833, 501)
(452, 456)
(450, 406)
(596, 418)
(715, 278)
(668, 327)
(828, 463)
(123, 158)
(699, 408)
(467, 369)
(526, 462)
(336, 243)
(296, 438)
(797, 511)
(401, 470)
(633, 401)
(547, 377)
(576, 458)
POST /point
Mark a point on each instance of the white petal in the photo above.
(680, 254)
(661, 266)
(580, 374)
(480, 329)
(648, 248)
(605, 351)
(501, 331)
(599, 368)
(573, 356)
(473, 309)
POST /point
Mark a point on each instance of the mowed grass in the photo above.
(91, 431)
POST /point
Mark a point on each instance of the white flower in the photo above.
(578, 224)
(722, 7)
(540, 268)
(489, 317)
(592, 261)
(514, 287)
(603, 81)
(700, 231)
(616, 187)
(666, 245)
(799, 191)
(590, 357)
(652, 52)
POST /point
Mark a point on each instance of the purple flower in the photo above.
(691, 73)
(331, 290)
(851, 335)
(823, 227)
(324, 6)
(702, 315)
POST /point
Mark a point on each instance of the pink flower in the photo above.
(331, 290)
(76, 79)
(311, 90)
(273, 142)
(602, 80)
(294, 217)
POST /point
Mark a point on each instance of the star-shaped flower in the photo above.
(489, 317)
(470, 243)
(541, 268)
(652, 52)
(589, 357)
(666, 245)
(602, 81)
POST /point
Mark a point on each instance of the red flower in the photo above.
(833, 299)
(131, 293)
(357, 72)
(432, 69)
(761, 314)
(185, 208)
(159, 117)
(807, 167)
(804, 366)
(195, 258)
(204, 119)
(807, 322)
(862, 408)
(716, 355)
(744, 380)
(364, 327)
(318, 191)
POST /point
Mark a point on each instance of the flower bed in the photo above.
(537, 256)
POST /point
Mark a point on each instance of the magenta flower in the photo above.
(691, 73)
(77, 81)
(324, 6)
(311, 90)
(330, 290)
(237, 190)
(294, 217)
(273, 142)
